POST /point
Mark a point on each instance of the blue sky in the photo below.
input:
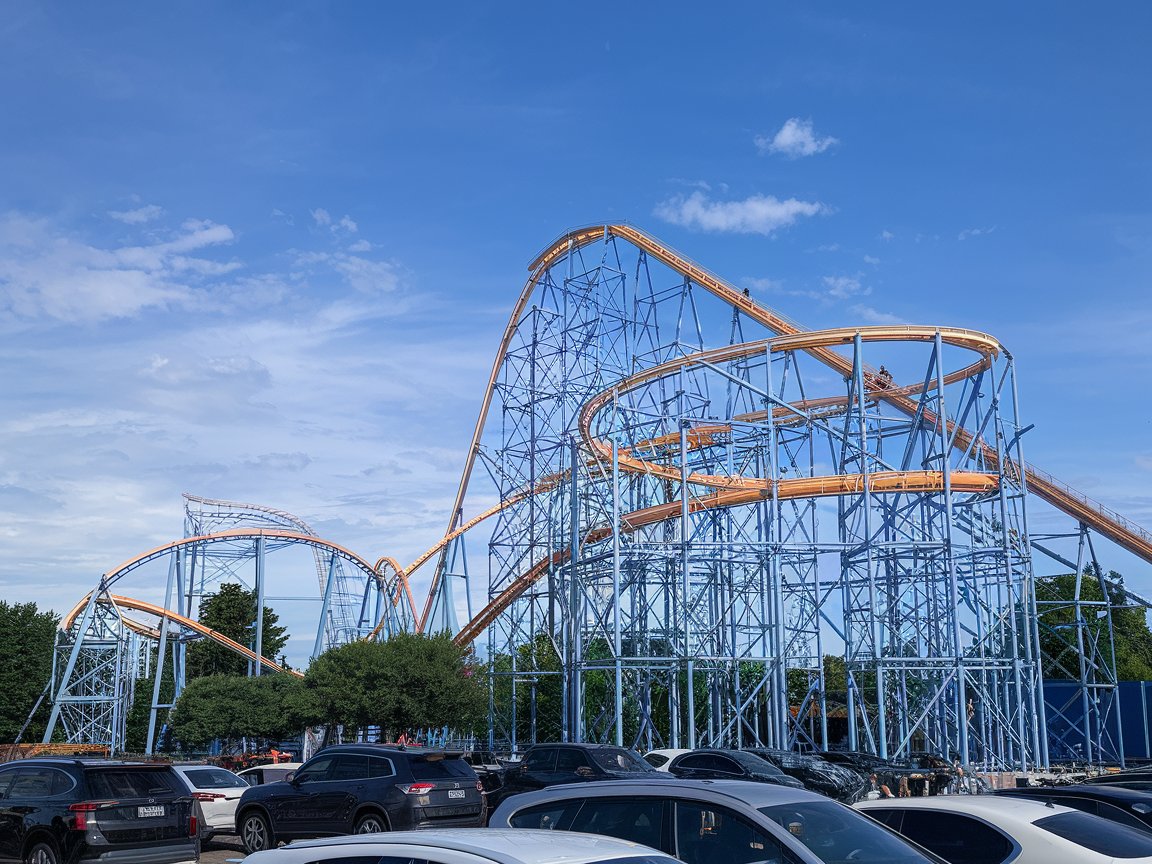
(266, 252)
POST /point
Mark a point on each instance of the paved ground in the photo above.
(220, 848)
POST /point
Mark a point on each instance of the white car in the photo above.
(258, 775)
(994, 828)
(465, 846)
(217, 792)
(660, 759)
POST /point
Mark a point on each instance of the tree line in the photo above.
(410, 681)
(416, 681)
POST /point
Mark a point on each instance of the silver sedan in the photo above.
(464, 846)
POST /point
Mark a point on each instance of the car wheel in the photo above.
(41, 853)
(256, 834)
(370, 823)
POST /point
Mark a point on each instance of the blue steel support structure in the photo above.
(710, 624)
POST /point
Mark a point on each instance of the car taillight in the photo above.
(208, 796)
(83, 808)
(193, 826)
(416, 788)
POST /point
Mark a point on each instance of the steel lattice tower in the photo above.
(104, 646)
(696, 511)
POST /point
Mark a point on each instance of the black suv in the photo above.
(359, 789)
(65, 811)
(552, 764)
(711, 764)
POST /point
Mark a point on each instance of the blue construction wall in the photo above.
(1126, 725)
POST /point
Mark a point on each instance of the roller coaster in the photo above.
(683, 503)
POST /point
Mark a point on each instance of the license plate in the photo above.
(455, 793)
(157, 810)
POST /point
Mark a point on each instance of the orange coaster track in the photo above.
(819, 344)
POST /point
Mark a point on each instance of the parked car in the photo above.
(816, 774)
(1134, 778)
(487, 768)
(260, 774)
(714, 822)
(464, 846)
(659, 759)
(991, 829)
(216, 792)
(66, 811)
(361, 789)
(708, 764)
(547, 765)
(887, 777)
(1117, 803)
(943, 772)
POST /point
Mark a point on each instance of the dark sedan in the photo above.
(1116, 803)
(816, 774)
(547, 765)
(706, 764)
(1134, 778)
(890, 778)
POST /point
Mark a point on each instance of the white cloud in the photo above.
(795, 139)
(292, 463)
(45, 273)
(871, 259)
(974, 232)
(205, 267)
(360, 246)
(268, 393)
(363, 274)
(875, 316)
(779, 288)
(138, 216)
(843, 287)
(887, 235)
(758, 214)
(344, 225)
(759, 283)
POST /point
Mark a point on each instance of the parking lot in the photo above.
(220, 848)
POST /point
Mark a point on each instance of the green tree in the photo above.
(1059, 628)
(232, 612)
(409, 681)
(27, 640)
(230, 707)
(136, 723)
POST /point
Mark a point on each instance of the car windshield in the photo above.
(619, 759)
(214, 778)
(1119, 841)
(837, 834)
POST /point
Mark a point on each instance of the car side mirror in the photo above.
(290, 776)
